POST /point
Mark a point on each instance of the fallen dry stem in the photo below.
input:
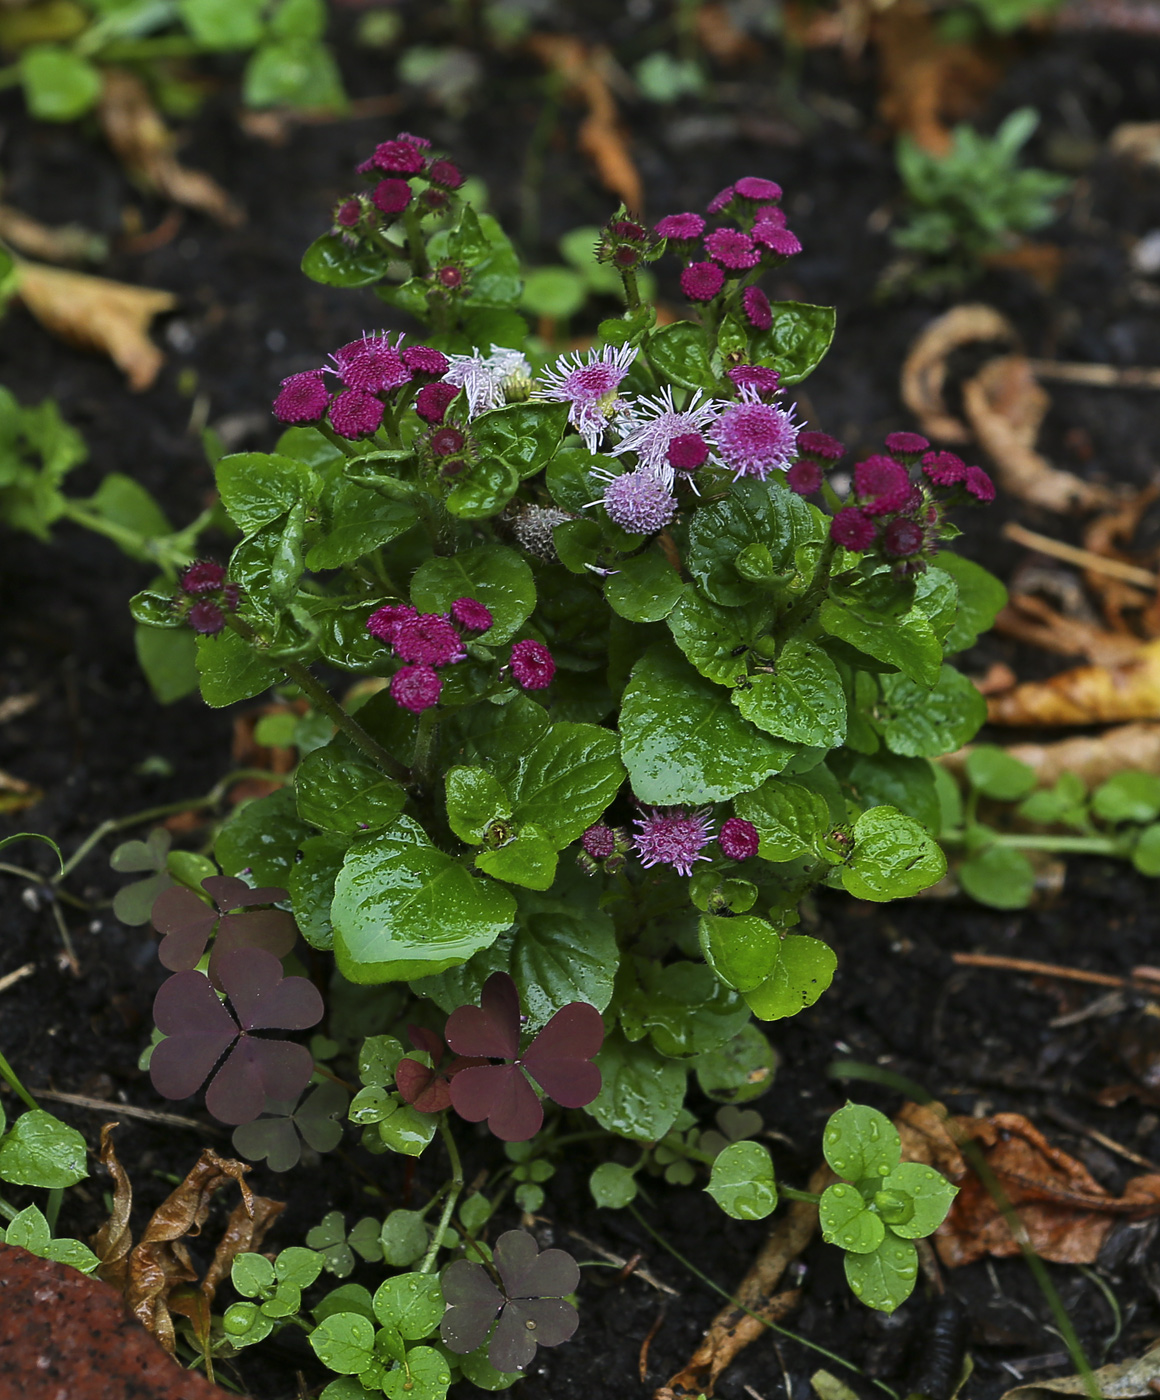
(1072, 554)
(1140, 982)
(147, 1115)
(1097, 376)
(734, 1328)
(10, 979)
(622, 1263)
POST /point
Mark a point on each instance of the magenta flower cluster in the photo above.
(424, 642)
(206, 595)
(391, 172)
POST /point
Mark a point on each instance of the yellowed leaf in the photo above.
(1086, 695)
(95, 313)
(145, 146)
(65, 243)
(924, 372)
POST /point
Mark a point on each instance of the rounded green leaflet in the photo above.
(40, 1150)
(893, 857)
(480, 1372)
(742, 1181)
(245, 1324)
(378, 1058)
(371, 1105)
(425, 1375)
(286, 1301)
(230, 669)
(347, 1298)
(411, 1302)
(741, 1069)
(797, 339)
(802, 700)
(557, 292)
(919, 722)
(641, 1092)
(742, 950)
(343, 792)
(475, 800)
(475, 1211)
(76, 1255)
(495, 576)
(59, 85)
(886, 1278)
(930, 1193)
(407, 1130)
(345, 1342)
(405, 909)
(998, 876)
(995, 773)
(612, 1185)
(28, 1229)
(789, 818)
(802, 973)
(645, 588)
(330, 261)
(347, 1388)
(846, 1221)
(404, 1238)
(252, 1275)
(298, 1266)
(1128, 797)
(860, 1143)
(1146, 855)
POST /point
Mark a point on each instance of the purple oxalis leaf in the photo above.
(428, 1087)
(263, 999)
(560, 1057)
(188, 922)
(198, 1030)
(472, 1304)
(491, 1029)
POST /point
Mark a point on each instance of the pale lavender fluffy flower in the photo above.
(589, 383)
(672, 836)
(755, 438)
(482, 377)
(657, 422)
(641, 502)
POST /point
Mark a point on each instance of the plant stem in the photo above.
(1073, 845)
(790, 1193)
(7, 1211)
(415, 245)
(52, 1207)
(8, 1074)
(452, 1196)
(808, 602)
(424, 746)
(631, 290)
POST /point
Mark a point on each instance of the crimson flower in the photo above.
(199, 1030)
(559, 1060)
(187, 923)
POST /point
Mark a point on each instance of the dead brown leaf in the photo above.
(66, 243)
(16, 794)
(1006, 404)
(924, 372)
(924, 82)
(1029, 619)
(733, 1328)
(1086, 695)
(600, 136)
(145, 146)
(1095, 760)
(720, 37)
(1137, 141)
(1104, 536)
(1064, 1211)
(151, 1272)
(97, 314)
(1042, 262)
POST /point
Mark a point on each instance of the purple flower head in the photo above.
(681, 228)
(371, 364)
(599, 841)
(701, 281)
(187, 923)
(471, 615)
(433, 400)
(804, 477)
(203, 576)
(590, 385)
(391, 196)
(640, 502)
(738, 839)
(978, 484)
(758, 311)
(398, 157)
(532, 665)
(657, 424)
(422, 359)
(903, 538)
(944, 468)
(820, 446)
(428, 1087)
(755, 438)
(199, 1030)
(906, 444)
(483, 377)
(531, 1308)
(421, 143)
(447, 440)
(688, 452)
(349, 213)
(732, 249)
(756, 377)
(559, 1060)
(853, 529)
(355, 414)
(445, 173)
(722, 200)
(206, 617)
(673, 836)
(755, 188)
(416, 688)
(881, 485)
(303, 398)
(429, 639)
(384, 622)
(781, 241)
(770, 215)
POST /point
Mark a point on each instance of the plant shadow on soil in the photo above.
(979, 1040)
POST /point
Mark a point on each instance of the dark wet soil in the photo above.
(98, 746)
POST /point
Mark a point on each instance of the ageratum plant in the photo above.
(621, 666)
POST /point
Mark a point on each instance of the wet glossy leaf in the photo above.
(802, 700)
(802, 973)
(789, 818)
(529, 860)
(887, 779)
(860, 1143)
(642, 1091)
(797, 340)
(475, 799)
(998, 876)
(311, 883)
(344, 1342)
(357, 519)
(564, 782)
(753, 513)
(682, 1007)
(714, 639)
(523, 435)
(331, 261)
(930, 1193)
(426, 1377)
(645, 588)
(258, 487)
(229, 669)
(742, 950)
(741, 1069)
(847, 1222)
(411, 1302)
(922, 723)
(886, 1278)
(742, 1181)
(40, 1150)
(341, 791)
(493, 575)
(893, 857)
(907, 642)
(612, 1185)
(680, 352)
(404, 1239)
(262, 837)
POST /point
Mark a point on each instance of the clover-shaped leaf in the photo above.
(277, 1137)
(847, 1221)
(133, 903)
(529, 1303)
(886, 1277)
(187, 923)
(337, 1248)
(199, 1031)
(733, 1125)
(559, 1060)
(742, 1181)
(928, 1195)
(861, 1143)
(427, 1087)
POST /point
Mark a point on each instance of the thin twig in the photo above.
(1065, 1120)
(621, 1263)
(642, 1362)
(1097, 376)
(148, 1115)
(1085, 558)
(10, 979)
(1042, 969)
